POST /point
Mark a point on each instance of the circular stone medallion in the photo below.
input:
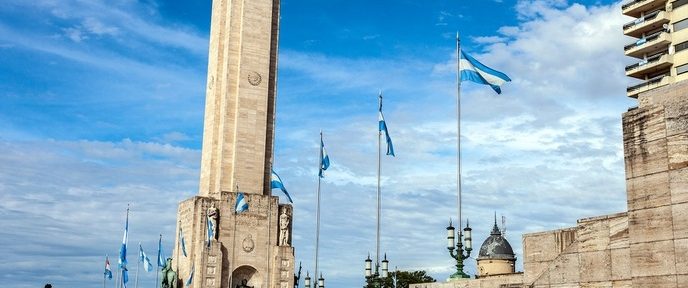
(254, 78)
(247, 244)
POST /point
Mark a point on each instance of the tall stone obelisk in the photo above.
(252, 246)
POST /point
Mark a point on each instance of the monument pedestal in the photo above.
(246, 246)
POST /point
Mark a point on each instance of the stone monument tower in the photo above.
(252, 248)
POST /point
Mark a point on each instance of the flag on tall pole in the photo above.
(181, 240)
(144, 258)
(383, 128)
(276, 182)
(108, 270)
(241, 204)
(161, 254)
(474, 71)
(324, 158)
(123, 252)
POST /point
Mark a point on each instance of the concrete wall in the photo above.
(489, 267)
(656, 156)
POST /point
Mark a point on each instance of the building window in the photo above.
(681, 69)
(680, 46)
(679, 3)
(680, 25)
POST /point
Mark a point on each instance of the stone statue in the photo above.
(213, 215)
(244, 284)
(284, 228)
(169, 276)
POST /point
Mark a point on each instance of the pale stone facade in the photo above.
(647, 246)
(252, 246)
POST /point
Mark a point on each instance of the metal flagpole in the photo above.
(379, 160)
(317, 210)
(138, 263)
(157, 272)
(458, 129)
(117, 277)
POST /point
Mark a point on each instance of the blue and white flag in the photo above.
(161, 255)
(276, 182)
(123, 250)
(143, 258)
(108, 271)
(383, 127)
(241, 204)
(181, 240)
(125, 277)
(324, 158)
(188, 282)
(474, 71)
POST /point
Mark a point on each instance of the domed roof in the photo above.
(496, 247)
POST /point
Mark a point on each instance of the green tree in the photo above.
(403, 279)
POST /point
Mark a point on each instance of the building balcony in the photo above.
(651, 44)
(652, 65)
(644, 24)
(658, 81)
(635, 8)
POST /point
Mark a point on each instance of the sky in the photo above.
(102, 102)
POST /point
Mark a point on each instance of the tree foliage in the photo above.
(401, 279)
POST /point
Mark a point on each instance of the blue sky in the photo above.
(101, 104)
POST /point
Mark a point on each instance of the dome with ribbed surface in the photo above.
(496, 247)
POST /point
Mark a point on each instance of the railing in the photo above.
(642, 19)
(646, 39)
(647, 61)
(631, 3)
(649, 82)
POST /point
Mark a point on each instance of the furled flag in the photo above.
(183, 243)
(211, 230)
(324, 158)
(125, 277)
(276, 182)
(161, 255)
(472, 70)
(143, 258)
(108, 271)
(241, 204)
(383, 127)
(188, 282)
(123, 250)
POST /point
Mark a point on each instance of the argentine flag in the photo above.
(108, 271)
(383, 127)
(181, 239)
(472, 70)
(324, 158)
(143, 258)
(241, 204)
(188, 282)
(276, 182)
(123, 250)
(161, 255)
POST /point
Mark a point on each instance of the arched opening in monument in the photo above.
(248, 274)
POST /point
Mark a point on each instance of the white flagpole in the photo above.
(458, 129)
(379, 169)
(138, 263)
(317, 210)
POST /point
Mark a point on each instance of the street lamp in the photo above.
(376, 277)
(459, 255)
(307, 281)
(321, 282)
